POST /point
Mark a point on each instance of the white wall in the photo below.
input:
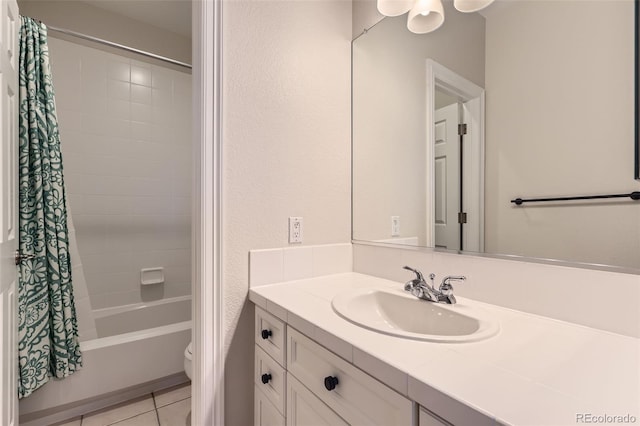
(286, 149)
(560, 120)
(389, 113)
(125, 129)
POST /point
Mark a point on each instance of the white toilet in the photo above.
(188, 355)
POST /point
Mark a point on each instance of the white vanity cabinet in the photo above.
(321, 388)
(269, 370)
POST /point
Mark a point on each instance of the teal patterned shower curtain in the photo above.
(48, 331)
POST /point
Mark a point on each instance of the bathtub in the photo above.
(140, 349)
(141, 316)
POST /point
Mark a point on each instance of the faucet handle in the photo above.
(446, 288)
(419, 275)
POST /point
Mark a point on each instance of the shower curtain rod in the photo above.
(119, 46)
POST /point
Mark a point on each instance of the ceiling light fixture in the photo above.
(426, 15)
(469, 6)
(394, 7)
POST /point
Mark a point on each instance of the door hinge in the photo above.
(462, 129)
(462, 217)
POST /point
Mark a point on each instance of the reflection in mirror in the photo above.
(559, 121)
(447, 171)
(454, 160)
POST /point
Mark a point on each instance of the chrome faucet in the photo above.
(423, 290)
(419, 287)
(446, 289)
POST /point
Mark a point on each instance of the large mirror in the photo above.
(557, 119)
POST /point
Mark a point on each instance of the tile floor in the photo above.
(169, 407)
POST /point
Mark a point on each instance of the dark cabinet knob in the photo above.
(330, 382)
(265, 334)
(266, 378)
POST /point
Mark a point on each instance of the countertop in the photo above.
(535, 371)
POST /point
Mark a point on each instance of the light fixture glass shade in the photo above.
(394, 7)
(468, 6)
(425, 16)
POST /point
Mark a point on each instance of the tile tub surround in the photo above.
(125, 130)
(536, 371)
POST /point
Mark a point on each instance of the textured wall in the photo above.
(286, 145)
(126, 140)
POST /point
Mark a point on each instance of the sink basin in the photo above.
(398, 313)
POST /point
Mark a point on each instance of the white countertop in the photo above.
(536, 371)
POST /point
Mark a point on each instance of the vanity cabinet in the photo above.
(269, 370)
(264, 412)
(321, 388)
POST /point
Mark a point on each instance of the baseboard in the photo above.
(78, 408)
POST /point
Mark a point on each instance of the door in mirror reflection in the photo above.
(447, 173)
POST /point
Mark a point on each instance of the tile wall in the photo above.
(125, 130)
(276, 265)
(86, 322)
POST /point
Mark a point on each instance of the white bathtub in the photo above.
(141, 316)
(121, 363)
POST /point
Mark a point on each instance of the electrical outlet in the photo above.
(395, 226)
(295, 230)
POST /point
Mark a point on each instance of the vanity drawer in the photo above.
(264, 412)
(270, 335)
(269, 376)
(305, 408)
(355, 396)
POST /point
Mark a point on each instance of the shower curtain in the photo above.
(48, 331)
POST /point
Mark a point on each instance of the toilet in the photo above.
(188, 355)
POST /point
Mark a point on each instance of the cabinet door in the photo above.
(264, 412)
(305, 409)
(270, 335)
(429, 419)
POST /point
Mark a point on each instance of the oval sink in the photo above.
(400, 314)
